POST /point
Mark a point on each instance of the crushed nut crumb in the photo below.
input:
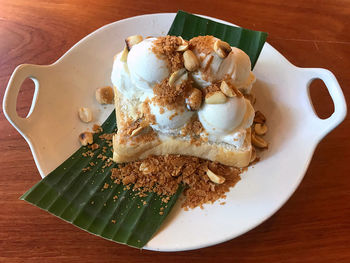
(167, 172)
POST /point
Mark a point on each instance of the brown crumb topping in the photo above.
(194, 128)
(202, 44)
(146, 110)
(171, 97)
(163, 174)
(165, 47)
(94, 146)
(212, 88)
(97, 128)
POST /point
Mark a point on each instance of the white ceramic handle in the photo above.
(10, 98)
(340, 109)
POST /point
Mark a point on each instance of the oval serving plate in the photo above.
(52, 128)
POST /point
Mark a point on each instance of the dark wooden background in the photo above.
(314, 225)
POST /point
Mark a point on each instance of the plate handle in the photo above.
(10, 98)
(336, 93)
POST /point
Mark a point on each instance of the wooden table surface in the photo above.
(314, 225)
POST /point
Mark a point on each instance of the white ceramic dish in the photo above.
(52, 127)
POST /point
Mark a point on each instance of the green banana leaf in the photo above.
(80, 197)
(189, 26)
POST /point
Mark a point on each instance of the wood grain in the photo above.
(314, 225)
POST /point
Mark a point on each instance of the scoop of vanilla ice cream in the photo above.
(227, 122)
(223, 119)
(121, 79)
(170, 121)
(146, 69)
(236, 66)
(215, 62)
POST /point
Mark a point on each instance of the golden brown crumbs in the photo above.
(167, 172)
(97, 128)
(91, 163)
(115, 197)
(222, 203)
(88, 154)
(161, 110)
(212, 88)
(130, 179)
(165, 199)
(202, 44)
(107, 163)
(94, 146)
(113, 221)
(196, 131)
(105, 186)
(86, 169)
(193, 127)
(106, 136)
(165, 48)
(171, 97)
(146, 110)
(161, 213)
